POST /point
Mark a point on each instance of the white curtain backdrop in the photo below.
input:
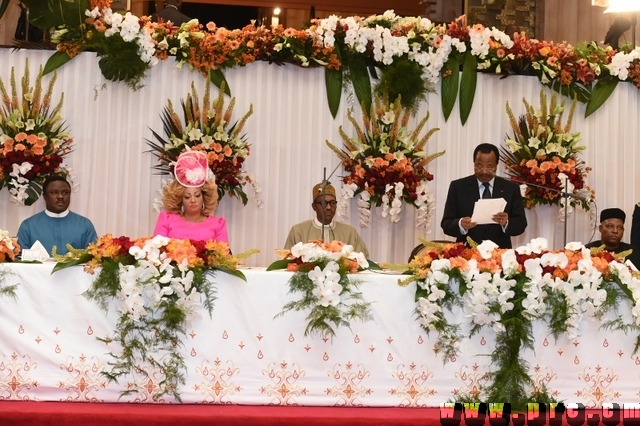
(287, 132)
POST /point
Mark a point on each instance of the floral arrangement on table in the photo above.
(385, 164)
(507, 289)
(544, 152)
(33, 137)
(160, 284)
(9, 247)
(321, 274)
(404, 49)
(207, 127)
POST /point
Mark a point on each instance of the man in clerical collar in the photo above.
(57, 225)
(325, 205)
(611, 232)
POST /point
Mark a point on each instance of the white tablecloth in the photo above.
(49, 350)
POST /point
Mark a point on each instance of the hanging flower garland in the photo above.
(385, 164)
(122, 41)
(33, 138)
(207, 127)
(322, 274)
(507, 289)
(543, 156)
(160, 284)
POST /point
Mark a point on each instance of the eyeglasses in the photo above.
(482, 167)
(332, 203)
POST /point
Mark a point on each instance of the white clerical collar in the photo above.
(318, 224)
(173, 6)
(56, 215)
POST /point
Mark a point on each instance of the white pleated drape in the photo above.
(287, 132)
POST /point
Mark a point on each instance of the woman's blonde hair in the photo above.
(173, 193)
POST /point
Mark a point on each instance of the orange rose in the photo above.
(546, 165)
(458, 262)
(334, 246)
(544, 51)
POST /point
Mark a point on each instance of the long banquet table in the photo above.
(49, 350)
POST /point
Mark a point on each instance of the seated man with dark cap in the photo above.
(324, 204)
(611, 231)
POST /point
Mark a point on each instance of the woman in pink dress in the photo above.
(189, 202)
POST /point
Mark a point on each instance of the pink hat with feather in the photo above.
(192, 169)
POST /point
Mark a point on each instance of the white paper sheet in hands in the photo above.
(485, 208)
(36, 252)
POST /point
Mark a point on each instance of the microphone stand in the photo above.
(325, 182)
(566, 195)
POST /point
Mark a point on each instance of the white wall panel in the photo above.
(287, 132)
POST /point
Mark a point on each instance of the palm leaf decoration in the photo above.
(53, 13)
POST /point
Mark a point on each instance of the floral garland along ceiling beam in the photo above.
(351, 49)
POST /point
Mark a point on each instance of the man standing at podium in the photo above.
(463, 194)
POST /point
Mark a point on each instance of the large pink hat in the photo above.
(192, 169)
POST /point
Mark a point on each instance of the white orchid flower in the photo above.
(486, 248)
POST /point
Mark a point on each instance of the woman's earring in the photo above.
(182, 208)
(202, 206)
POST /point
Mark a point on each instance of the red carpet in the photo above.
(93, 414)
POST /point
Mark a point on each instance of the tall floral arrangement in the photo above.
(322, 274)
(33, 137)
(207, 127)
(386, 163)
(507, 289)
(543, 155)
(159, 284)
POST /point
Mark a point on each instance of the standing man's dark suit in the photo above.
(463, 193)
(172, 13)
(635, 226)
